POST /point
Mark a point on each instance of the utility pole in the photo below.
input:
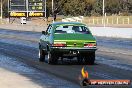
(45, 9)
(104, 13)
(53, 9)
(27, 8)
(103, 8)
(8, 11)
(1, 9)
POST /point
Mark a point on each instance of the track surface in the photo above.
(113, 58)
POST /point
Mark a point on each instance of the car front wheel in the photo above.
(41, 55)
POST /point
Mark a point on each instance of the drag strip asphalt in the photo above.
(109, 65)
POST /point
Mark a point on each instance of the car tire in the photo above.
(90, 58)
(52, 58)
(41, 55)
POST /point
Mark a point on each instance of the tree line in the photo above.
(90, 7)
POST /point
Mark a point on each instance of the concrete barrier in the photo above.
(112, 32)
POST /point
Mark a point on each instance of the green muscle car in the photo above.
(67, 40)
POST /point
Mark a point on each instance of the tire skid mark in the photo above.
(114, 63)
(44, 79)
(97, 74)
(103, 75)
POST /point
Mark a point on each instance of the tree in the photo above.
(89, 6)
(84, 7)
(113, 6)
(97, 7)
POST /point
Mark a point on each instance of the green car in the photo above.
(67, 40)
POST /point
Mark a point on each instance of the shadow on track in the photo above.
(70, 62)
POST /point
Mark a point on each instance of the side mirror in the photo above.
(43, 32)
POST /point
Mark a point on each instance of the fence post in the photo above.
(97, 21)
(117, 20)
(112, 21)
(107, 21)
(128, 20)
(102, 20)
(93, 20)
(123, 21)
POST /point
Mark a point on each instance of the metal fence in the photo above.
(108, 20)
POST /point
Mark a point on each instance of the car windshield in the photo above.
(72, 29)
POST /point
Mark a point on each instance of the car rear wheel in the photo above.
(90, 58)
(41, 55)
(52, 58)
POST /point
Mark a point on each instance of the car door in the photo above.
(49, 35)
(44, 39)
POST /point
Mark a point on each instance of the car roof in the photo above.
(67, 23)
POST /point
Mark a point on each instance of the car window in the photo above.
(72, 29)
(49, 29)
